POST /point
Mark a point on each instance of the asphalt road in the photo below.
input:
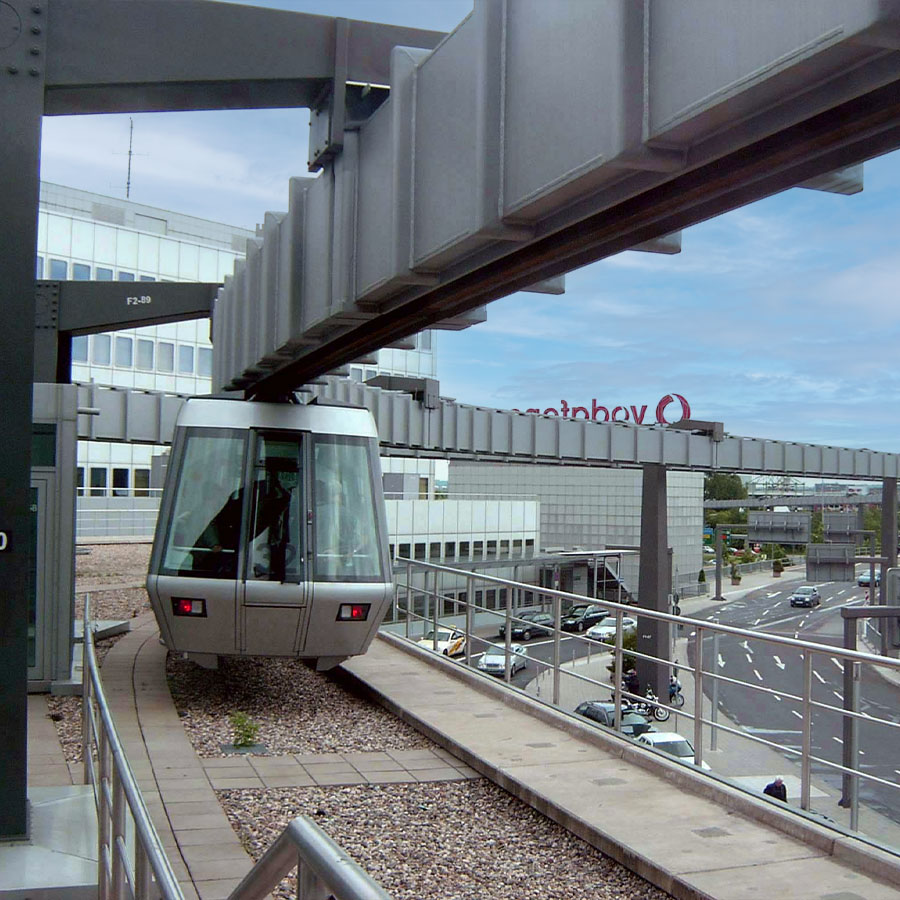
(779, 718)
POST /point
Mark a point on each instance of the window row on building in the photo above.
(58, 270)
(450, 551)
(125, 481)
(125, 352)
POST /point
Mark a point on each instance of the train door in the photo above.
(274, 588)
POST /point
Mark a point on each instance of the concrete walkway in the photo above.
(689, 835)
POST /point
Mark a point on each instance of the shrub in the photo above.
(245, 729)
(701, 577)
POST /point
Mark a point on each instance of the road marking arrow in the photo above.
(721, 662)
(779, 663)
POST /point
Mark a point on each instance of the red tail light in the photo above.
(353, 612)
(188, 606)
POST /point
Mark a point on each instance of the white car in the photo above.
(450, 642)
(606, 630)
(493, 660)
(672, 743)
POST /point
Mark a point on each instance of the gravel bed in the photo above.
(467, 840)
(297, 710)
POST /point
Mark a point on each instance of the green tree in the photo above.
(722, 486)
(817, 528)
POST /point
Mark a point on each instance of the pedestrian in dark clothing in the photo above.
(630, 682)
(776, 789)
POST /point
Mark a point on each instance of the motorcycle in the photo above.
(649, 706)
(676, 698)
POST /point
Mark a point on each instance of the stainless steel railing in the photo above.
(131, 861)
(704, 714)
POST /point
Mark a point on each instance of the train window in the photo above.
(345, 524)
(205, 527)
(276, 549)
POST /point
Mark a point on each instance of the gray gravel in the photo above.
(443, 840)
(468, 839)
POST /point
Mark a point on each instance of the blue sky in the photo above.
(779, 320)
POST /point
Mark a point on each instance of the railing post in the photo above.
(698, 696)
(142, 874)
(103, 816)
(806, 712)
(854, 748)
(617, 672)
(557, 616)
(117, 838)
(309, 887)
(714, 694)
(410, 602)
(434, 608)
(507, 642)
(470, 595)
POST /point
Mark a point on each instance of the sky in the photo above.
(779, 319)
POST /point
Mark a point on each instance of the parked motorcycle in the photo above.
(649, 706)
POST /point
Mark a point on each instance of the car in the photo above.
(493, 660)
(672, 743)
(606, 630)
(806, 595)
(581, 616)
(450, 642)
(600, 713)
(865, 578)
(536, 624)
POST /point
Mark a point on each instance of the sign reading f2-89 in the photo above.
(142, 300)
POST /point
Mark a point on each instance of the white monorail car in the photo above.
(272, 535)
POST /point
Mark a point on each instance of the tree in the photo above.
(721, 486)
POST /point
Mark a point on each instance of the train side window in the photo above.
(345, 524)
(276, 549)
(204, 534)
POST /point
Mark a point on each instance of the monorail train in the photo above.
(272, 534)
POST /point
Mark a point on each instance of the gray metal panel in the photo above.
(694, 84)
(840, 524)
(445, 211)
(316, 273)
(269, 290)
(830, 562)
(778, 527)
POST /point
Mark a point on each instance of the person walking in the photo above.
(776, 789)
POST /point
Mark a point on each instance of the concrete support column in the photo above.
(654, 584)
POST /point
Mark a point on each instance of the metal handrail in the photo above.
(323, 868)
(848, 658)
(143, 871)
(148, 875)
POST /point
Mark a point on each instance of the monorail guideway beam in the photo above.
(68, 57)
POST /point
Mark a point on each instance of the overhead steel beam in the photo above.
(444, 429)
(457, 236)
(106, 56)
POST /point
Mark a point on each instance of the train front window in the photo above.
(276, 552)
(204, 535)
(345, 523)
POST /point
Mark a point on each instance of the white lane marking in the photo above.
(749, 658)
(772, 594)
(821, 679)
(839, 696)
(841, 593)
(777, 697)
(756, 673)
(746, 646)
(862, 752)
(839, 664)
(721, 662)
(757, 621)
(765, 612)
(897, 771)
(794, 711)
(837, 739)
(779, 663)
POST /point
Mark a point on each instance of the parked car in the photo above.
(865, 578)
(600, 713)
(493, 660)
(672, 743)
(450, 642)
(806, 595)
(536, 624)
(606, 630)
(581, 616)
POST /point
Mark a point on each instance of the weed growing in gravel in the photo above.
(246, 730)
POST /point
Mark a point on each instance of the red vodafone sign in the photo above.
(671, 408)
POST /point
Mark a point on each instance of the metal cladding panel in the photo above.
(234, 319)
(316, 273)
(445, 149)
(250, 301)
(292, 261)
(571, 439)
(546, 436)
(778, 527)
(597, 443)
(566, 117)
(501, 439)
(269, 284)
(831, 562)
(839, 524)
(142, 417)
(342, 300)
(771, 48)
(375, 233)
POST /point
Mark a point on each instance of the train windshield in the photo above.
(205, 529)
(345, 521)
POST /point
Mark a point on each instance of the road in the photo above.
(779, 718)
